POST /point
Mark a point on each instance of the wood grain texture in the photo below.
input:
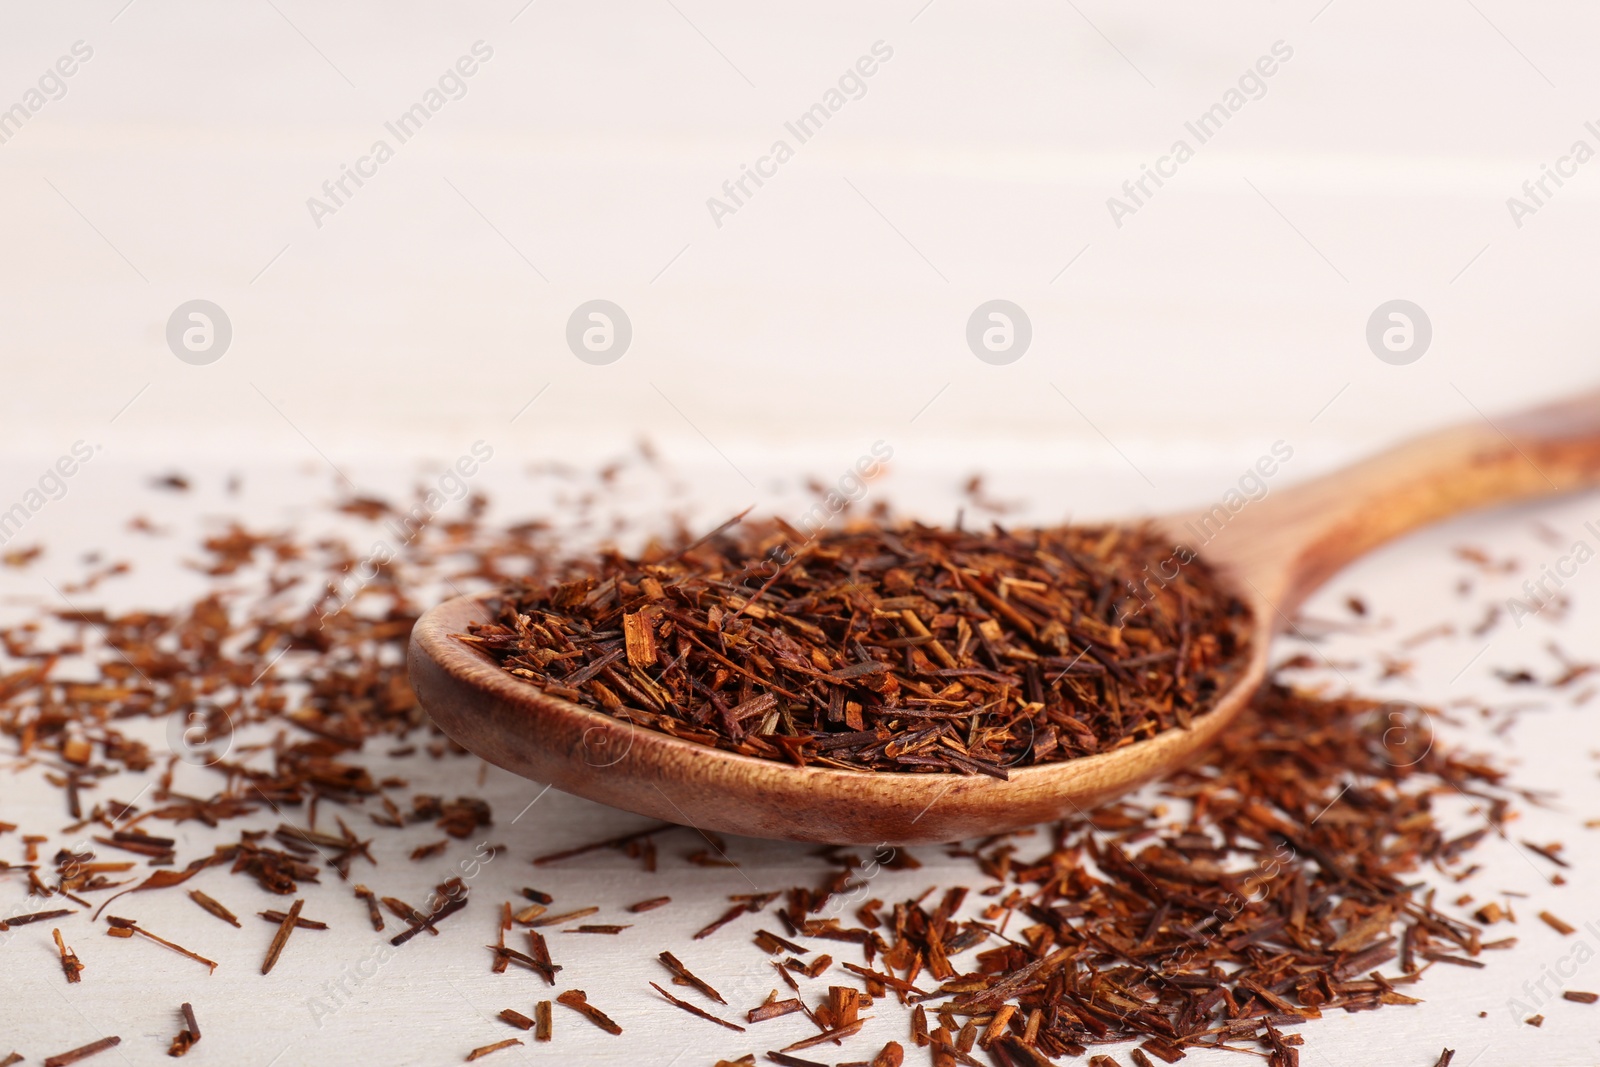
(1273, 552)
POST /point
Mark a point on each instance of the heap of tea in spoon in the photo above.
(912, 648)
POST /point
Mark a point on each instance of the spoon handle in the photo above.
(1292, 540)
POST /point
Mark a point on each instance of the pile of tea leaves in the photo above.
(1282, 892)
(1282, 876)
(887, 648)
(1276, 882)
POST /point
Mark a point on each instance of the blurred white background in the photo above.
(830, 309)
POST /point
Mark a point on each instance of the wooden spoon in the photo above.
(1273, 552)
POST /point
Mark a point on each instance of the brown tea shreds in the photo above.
(188, 1036)
(273, 916)
(285, 927)
(836, 1035)
(564, 917)
(1550, 852)
(743, 904)
(423, 852)
(683, 976)
(1264, 905)
(159, 849)
(649, 905)
(370, 898)
(405, 911)
(449, 897)
(35, 917)
(1558, 925)
(892, 1055)
(118, 927)
(1281, 877)
(540, 951)
(537, 961)
(479, 1053)
(772, 1008)
(783, 1059)
(771, 943)
(915, 649)
(997, 1024)
(622, 842)
(69, 959)
(213, 907)
(66, 1059)
(692, 1010)
(517, 1019)
(723, 920)
(578, 1001)
(339, 851)
(1580, 997)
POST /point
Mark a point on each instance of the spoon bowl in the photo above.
(1270, 552)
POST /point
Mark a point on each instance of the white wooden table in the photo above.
(338, 995)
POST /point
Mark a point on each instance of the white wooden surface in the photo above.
(436, 999)
(978, 165)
